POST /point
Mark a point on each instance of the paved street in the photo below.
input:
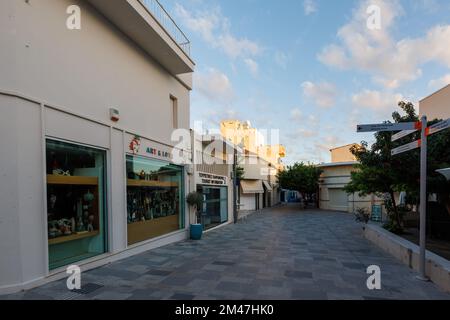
(282, 253)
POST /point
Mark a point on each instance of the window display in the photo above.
(154, 199)
(215, 206)
(75, 203)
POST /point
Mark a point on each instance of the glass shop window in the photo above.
(76, 205)
(155, 204)
(215, 206)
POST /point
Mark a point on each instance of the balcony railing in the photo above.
(166, 21)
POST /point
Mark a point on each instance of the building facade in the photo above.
(259, 188)
(335, 176)
(213, 161)
(87, 119)
(436, 105)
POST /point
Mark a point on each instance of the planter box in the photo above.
(437, 268)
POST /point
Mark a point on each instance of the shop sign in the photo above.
(136, 148)
(211, 179)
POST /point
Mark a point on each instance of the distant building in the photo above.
(336, 175)
(436, 105)
(261, 163)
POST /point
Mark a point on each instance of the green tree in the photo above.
(300, 177)
(379, 172)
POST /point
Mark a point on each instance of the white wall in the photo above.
(88, 70)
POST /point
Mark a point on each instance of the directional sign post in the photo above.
(438, 127)
(407, 128)
(384, 127)
(406, 147)
(423, 200)
(402, 134)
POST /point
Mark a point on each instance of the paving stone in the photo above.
(318, 255)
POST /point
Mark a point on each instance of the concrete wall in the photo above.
(437, 268)
(437, 105)
(88, 70)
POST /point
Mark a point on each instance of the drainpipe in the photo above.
(235, 212)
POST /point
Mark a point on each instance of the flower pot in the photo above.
(196, 231)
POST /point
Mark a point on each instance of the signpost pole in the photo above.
(423, 200)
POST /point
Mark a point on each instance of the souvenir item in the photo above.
(90, 227)
(52, 201)
(88, 197)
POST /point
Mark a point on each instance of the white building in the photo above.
(78, 186)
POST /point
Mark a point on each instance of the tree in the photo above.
(300, 177)
(379, 172)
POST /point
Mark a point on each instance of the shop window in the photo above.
(215, 206)
(155, 205)
(76, 206)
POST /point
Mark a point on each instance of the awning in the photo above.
(267, 185)
(252, 186)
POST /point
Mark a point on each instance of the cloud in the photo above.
(439, 83)
(376, 100)
(214, 85)
(252, 66)
(391, 62)
(282, 59)
(323, 94)
(309, 7)
(296, 115)
(214, 29)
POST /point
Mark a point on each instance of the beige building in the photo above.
(436, 105)
(261, 162)
(90, 93)
(336, 175)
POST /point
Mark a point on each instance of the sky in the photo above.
(312, 69)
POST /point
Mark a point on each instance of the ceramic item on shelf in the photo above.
(90, 227)
(88, 197)
(53, 199)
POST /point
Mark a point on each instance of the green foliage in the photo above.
(379, 172)
(240, 172)
(300, 177)
(195, 199)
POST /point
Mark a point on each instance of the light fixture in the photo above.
(114, 114)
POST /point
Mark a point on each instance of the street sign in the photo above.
(388, 127)
(402, 134)
(438, 127)
(406, 147)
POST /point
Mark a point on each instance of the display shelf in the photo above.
(73, 237)
(146, 183)
(72, 180)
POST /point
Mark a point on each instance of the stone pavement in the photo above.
(281, 253)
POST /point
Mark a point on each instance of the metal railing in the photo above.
(166, 21)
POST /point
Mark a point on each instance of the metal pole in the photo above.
(423, 200)
(235, 217)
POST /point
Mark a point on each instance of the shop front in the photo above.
(155, 192)
(214, 189)
(76, 202)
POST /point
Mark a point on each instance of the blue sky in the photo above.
(312, 68)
